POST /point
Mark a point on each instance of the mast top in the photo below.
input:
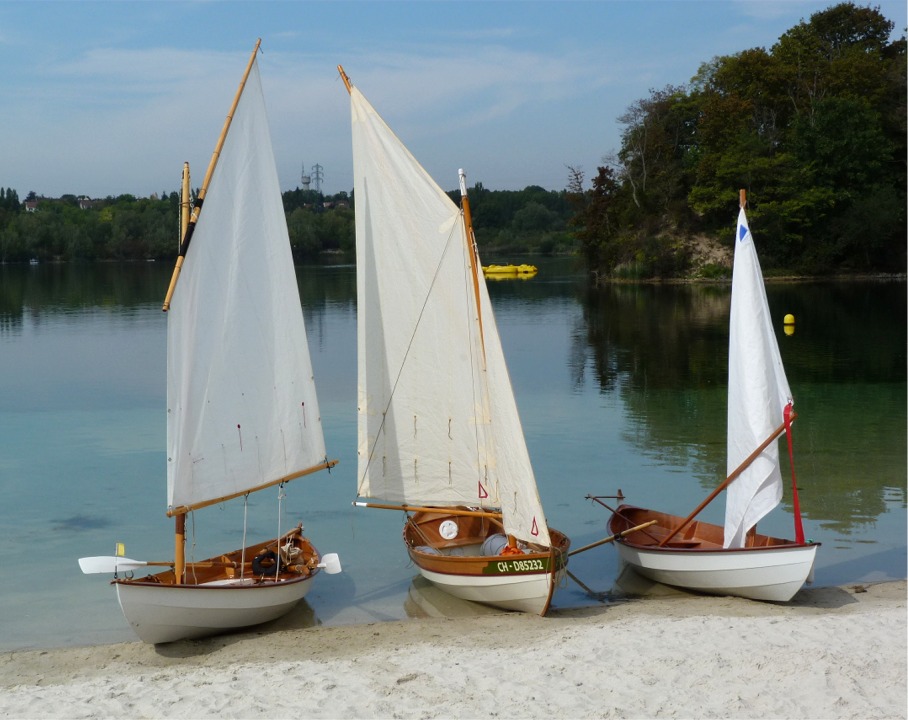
(344, 77)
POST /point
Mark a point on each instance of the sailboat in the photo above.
(439, 436)
(735, 559)
(242, 410)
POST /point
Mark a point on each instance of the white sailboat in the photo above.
(242, 410)
(439, 433)
(735, 560)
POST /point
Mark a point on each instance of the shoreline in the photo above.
(833, 652)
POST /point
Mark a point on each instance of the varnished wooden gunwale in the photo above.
(228, 566)
(697, 536)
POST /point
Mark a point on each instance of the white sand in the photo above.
(832, 653)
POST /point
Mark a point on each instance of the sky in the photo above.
(110, 98)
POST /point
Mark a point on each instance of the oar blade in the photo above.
(331, 563)
(108, 564)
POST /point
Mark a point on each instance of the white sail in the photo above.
(438, 423)
(757, 394)
(242, 410)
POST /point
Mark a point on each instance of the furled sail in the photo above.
(757, 394)
(438, 423)
(242, 410)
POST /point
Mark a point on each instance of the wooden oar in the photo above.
(112, 563)
(612, 537)
(728, 481)
(614, 511)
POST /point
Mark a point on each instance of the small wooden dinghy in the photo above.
(242, 410)
(767, 568)
(439, 432)
(734, 559)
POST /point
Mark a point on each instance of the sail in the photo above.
(242, 411)
(757, 394)
(437, 420)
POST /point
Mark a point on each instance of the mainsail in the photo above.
(758, 393)
(242, 411)
(438, 423)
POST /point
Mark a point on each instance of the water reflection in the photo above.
(663, 350)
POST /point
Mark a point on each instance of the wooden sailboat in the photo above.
(439, 433)
(735, 560)
(242, 411)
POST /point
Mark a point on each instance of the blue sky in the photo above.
(105, 98)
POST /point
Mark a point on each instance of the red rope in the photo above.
(799, 527)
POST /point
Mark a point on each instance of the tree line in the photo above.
(126, 228)
(813, 129)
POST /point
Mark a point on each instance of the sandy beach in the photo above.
(831, 653)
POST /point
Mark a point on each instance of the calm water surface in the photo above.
(620, 387)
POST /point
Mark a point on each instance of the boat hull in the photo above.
(522, 582)
(218, 599)
(769, 569)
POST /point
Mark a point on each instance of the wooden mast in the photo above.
(179, 539)
(470, 238)
(344, 77)
(185, 204)
(184, 245)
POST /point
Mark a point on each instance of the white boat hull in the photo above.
(523, 593)
(774, 575)
(165, 613)
(455, 564)
(770, 568)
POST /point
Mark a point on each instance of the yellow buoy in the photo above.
(789, 324)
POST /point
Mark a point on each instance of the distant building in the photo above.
(31, 205)
(85, 203)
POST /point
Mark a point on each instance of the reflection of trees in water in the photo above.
(663, 349)
(62, 288)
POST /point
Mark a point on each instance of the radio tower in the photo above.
(305, 178)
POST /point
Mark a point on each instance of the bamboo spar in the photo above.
(440, 509)
(473, 252)
(185, 205)
(183, 509)
(184, 246)
(347, 83)
(728, 481)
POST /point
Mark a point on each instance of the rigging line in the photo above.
(400, 370)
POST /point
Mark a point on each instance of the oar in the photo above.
(612, 537)
(111, 563)
(728, 481)
(331, 562)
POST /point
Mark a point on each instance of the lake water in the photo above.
(618, 387)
